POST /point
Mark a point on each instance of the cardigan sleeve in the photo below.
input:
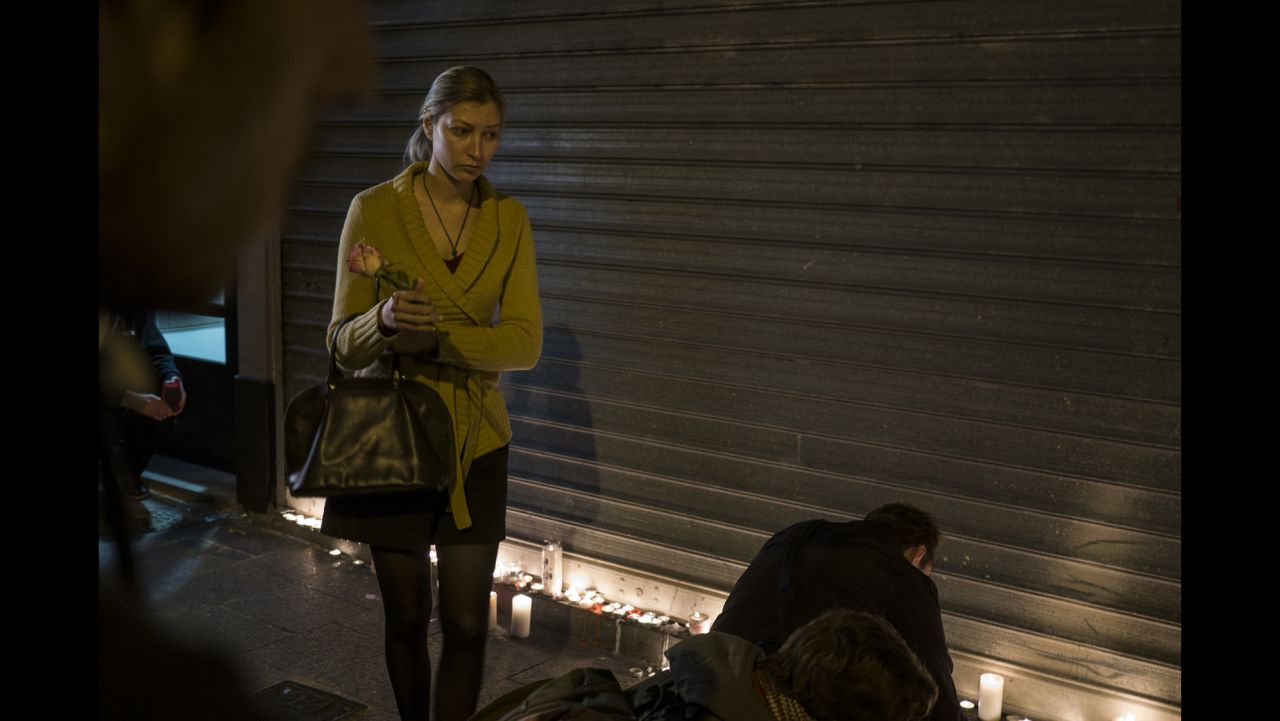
(515, 342)
(360, 343)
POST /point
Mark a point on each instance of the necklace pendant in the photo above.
(455, 253)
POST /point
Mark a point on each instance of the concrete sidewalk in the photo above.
(285, 609)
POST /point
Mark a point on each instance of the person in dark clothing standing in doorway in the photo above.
(147, 406)
(880, 565)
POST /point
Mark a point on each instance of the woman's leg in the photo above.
(466, 577)
(405, 580)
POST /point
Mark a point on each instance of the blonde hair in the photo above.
(458, 84)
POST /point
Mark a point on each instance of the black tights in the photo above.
(466, 575)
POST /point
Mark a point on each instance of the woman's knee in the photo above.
(404, 619)
(465, 626)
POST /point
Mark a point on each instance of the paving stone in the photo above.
(218, 626)
(366, 680)
(294, 607)
(246, 538)
(193, 555)
(319, 651)
(258, 674)
(189, 582)
(347, 581)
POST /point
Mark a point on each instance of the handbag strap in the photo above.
(334, 375)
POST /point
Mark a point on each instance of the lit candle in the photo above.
(521, 611)
(493, 610)
(536, 587)
(990, 696)
(966, 704)
(552, 568)
(586, 602)
(512, 570)
(698, 626)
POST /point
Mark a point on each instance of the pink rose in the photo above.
(368, 261)
(365, 260)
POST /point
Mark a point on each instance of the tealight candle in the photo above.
(966, 704)
(698, 624)
(586, 603)
(990, 696)
(521, 611)
(493, 610)
(536, 587)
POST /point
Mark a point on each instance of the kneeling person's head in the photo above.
(852, 666)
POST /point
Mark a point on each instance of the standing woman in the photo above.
(471, 312)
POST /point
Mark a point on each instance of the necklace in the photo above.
(453, 245)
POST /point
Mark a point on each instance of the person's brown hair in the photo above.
(852, 666)
(458, 84)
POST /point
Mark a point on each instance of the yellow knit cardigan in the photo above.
(490, 313)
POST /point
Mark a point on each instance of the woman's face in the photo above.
(464, 139)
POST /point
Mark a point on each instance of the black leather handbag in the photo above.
(357, 436)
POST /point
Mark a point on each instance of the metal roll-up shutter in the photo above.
(801, 259)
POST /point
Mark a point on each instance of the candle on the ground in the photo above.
(990, 696)
(493, 610)
(521, 611)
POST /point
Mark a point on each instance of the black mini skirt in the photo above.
(415, 520)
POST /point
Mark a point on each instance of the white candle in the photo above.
(552, 568)
(493, 610)
(521, 611)
(698, 624)
(990, 696)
